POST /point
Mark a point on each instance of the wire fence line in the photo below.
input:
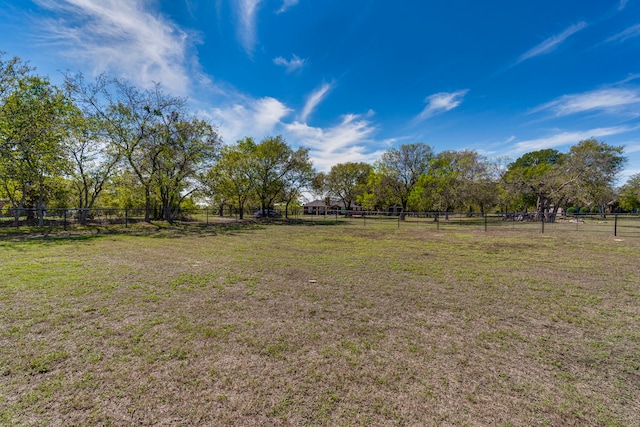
(612, 224)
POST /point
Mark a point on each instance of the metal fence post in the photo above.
(542, 224)
(126, 217)
(615, 225)
(65, 220)
(485, 223)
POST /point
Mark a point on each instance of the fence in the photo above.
(612, 224)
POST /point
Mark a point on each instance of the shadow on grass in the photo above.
(160, 230)
(47, 237)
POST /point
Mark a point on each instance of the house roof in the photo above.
(323, 204)
(314, 204)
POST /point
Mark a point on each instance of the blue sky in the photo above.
(351, 78)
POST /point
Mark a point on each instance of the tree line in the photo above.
(106, 143)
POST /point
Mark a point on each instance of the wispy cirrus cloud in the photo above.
(291, 65)
(622, 4)
(247, 26)
(121, 37)
(439, 103)
(550, 44)
(286, 4)
(314, 99)
(633, 31)
(565, 138)
(606, 100)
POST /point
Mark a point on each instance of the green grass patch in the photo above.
(317, 324)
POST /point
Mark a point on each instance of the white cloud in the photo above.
(630, 32)
(609, 100)
(348, 141)
(286, 4)
(314, 99)
(293, 64)
(622, 4)
(566, 138)
(256, 118)
(441, 102)
(120, 37)
(246, 30)
(633, 148)
(550, 44)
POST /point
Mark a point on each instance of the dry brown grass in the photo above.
(320, 325)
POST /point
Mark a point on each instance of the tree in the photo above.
(181, 149)
(462, 178)
(228, 179)
(272, 167)
(598, 165)
(541, 178)
(12, 71)
(400, 169)
(629, 194)
(94, 160)
(299, 176)
(34, 122)
(133, 121)
(346, 181)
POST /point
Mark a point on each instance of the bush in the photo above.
(584, 210)
(572, 210)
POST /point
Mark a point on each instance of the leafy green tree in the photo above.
(629, 193)
(299, 177)
(272, 167)
(94, 156)
(228, 180)
(401, 168)
(461, 178)
(12, 71)
(541, 178)
(164, 146)
(34, 122)
(181, 150)
(94, 161)
(597, 165)
(346, 181)
(123, 191)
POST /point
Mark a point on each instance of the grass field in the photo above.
(320, 325)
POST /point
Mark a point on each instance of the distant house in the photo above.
(317, 207)
(394, 209)
(322, 207)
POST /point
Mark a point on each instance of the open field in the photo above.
(320, 325)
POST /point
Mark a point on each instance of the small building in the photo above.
(317, 207)
(394, 209)
(322, 207)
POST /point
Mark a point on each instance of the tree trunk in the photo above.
(41, 207)
(147, 204)
(403, 211)
(241, 208)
